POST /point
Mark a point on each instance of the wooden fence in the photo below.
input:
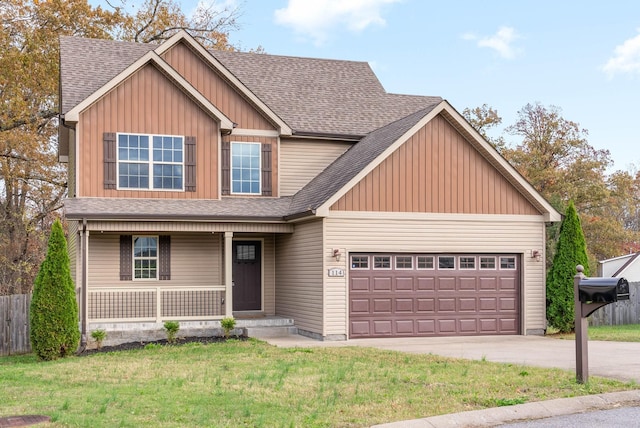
(622, 312)
(14, 324)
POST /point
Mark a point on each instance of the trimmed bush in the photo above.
(571, 251)
(227, 324)
(171, 327)
(54, 311)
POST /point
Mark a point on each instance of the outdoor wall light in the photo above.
(336, 254)
(536, 254)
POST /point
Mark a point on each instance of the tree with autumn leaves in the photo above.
(32, 182)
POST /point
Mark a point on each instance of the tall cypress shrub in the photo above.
(571, 251)
(54, 310)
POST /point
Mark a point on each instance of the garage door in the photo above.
(395, 295)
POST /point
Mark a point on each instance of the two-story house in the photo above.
(204, 184)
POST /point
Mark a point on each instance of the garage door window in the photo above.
(425, 262)
(382, 262)
(404, 262)
(467, 262)
(507, 263)
(487, 263)
(446, 262)
(359, 262)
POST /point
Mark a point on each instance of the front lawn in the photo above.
(615, 333)
(251, 383)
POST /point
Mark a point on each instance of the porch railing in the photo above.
(155, 303)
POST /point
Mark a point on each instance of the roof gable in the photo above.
(150, 58)
(342, 175)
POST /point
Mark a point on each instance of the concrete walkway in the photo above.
(617, 360)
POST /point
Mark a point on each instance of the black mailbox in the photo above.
(603, 290)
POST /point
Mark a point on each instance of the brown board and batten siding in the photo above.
(195, 261)
(299, 269)
(437, 233)
(302, 160)
(147, 103)
(437, 170)
(216, 89)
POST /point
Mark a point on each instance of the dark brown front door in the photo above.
(247, 281)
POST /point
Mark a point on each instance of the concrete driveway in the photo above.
(618, 360)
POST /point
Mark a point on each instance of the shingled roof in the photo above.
(312, 96)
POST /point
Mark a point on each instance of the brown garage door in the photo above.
(395, 295)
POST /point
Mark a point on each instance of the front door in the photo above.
(247, 276)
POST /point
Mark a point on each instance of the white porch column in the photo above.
(228, 273)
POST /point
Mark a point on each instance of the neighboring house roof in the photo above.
(624, 267)
(263, 209)
(312, 96)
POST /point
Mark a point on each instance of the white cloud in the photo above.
(626, 58)
(317, 19)
(502, 42)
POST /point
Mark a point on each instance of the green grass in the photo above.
(614, 333)
(250, 383)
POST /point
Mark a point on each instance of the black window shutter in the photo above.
(109, 140)
(190, 164)
(126, 255)
(164, 256)
(266, 169)
(225, 169)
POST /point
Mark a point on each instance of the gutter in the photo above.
(308, 213)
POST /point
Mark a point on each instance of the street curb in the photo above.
(521, 412)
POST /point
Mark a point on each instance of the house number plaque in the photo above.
(336, 272)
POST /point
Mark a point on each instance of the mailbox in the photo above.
(603, 290)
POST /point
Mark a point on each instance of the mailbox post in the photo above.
(590, 294)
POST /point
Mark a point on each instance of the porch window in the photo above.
(245, 168)
(145, 257)
(148, 161)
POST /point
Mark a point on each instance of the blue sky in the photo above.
(582, 56)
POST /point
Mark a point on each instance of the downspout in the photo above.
(83, 319)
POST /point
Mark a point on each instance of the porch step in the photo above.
(274, 331)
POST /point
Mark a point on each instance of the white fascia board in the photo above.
(183, 35)
(73, 115)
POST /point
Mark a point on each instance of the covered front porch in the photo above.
(198, 274)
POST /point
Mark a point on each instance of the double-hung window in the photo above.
(154, 162)
(245, 168)
(145, 257)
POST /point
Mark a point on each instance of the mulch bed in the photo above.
(140, 345)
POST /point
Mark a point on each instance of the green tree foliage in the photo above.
(571, 251)
(32, 182)
(54, 311)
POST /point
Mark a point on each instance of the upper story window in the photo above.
(245, 168)
(154, 162)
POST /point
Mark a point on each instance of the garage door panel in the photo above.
(429, 301)
(404, 327)
(426, 283)
(381, 284)
(404, 284)
(469, 325)
(360, 306)
(382, 306)
(446, 283)
(360, 284)
(468, 283)
(447, 326)
(467, 304)
(447, 305)
(404, 306)
(382, 327)
(426, 305)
